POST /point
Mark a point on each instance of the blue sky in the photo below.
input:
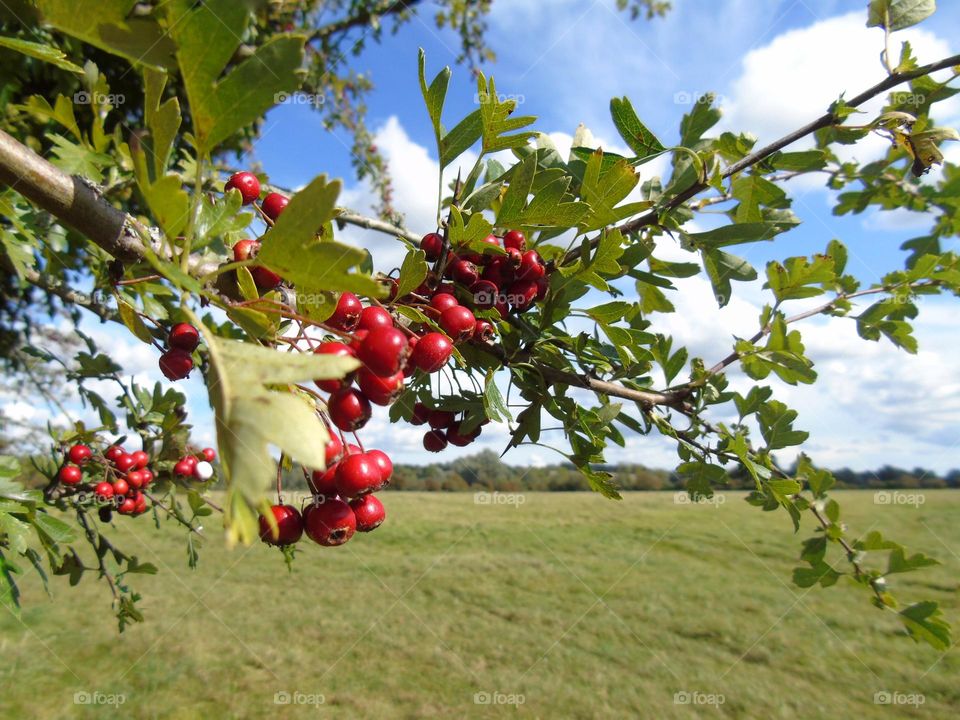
(775, 65)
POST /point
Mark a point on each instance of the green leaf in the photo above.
(603, 187)
(493, 402)
(800, 278)
(801, 161)
(107, 24)
(899, 14)
(250, 417)
(738, 234)
(207, 35)
(134, 323)
(413, 271)
(701, 118)
(924, 621)
(42, 52)
(9, 468)
(753, 191)
(163, 120)
(634, 133)
(460, 138)
(496, 121)
(899, 563)
(551, 206)
(593, 268)
(55, 529)
(700, 478)
(292, 250)
(722, 268)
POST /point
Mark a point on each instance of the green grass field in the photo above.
(577, 606)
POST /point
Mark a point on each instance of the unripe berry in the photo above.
(273, 204)
(347, 314)
(458, 323)
(432, 352)
(176, 364)
(183, 336)
(247, 183)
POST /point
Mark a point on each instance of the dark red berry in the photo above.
(522, 294)
(440, 419)
(247, 183)
(531, 266)
(484, 331)
(379, 390)
(338, 349)
(331, 523)
(289, 527)
(349, 409)
(135, 479)
(176, 364)
(263, 278)
(273, 204)
(333, 450)
(514, 239)
(455, 437)
(432, 352)
(357, 340)
(347, 314)
(120, 487)
(124, 463)
(464, 272)
(183, 469)
(373, 317)
(113, 452)
(485, 294)
(369, 513)
(420, 413)
(325, 481)
(458, 323)
(384, 351)
(434, 441)
(209, 454)
(432, 246)
(70, 475)
(513, 259)
(79, 454)
(183, 336)
(543, 285)
(127, 507)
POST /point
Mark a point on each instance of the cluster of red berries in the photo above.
(196, 466)
(116, 477)
(247, 184)
(343, 501)
(177, 362)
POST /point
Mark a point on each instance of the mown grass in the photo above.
(584, 607)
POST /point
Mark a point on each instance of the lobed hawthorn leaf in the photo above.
(413, 271)
(250, 416)
(899, 14)
(551, 206)
(292, 250)
(753, 191)
(701, 118)
(924, 622)
(206, 36)
(41, 51)
(496, 121)
(722, 268)
(898, 561)
(634, 133)
(603, 188)
(799, 278)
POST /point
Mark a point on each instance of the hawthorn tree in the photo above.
(125, 211)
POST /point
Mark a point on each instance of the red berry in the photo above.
(349, 409)
(373, 317)
(485, 294)
(176, 364)
(440, 419)
(140, 504)
(458, 322)
(79, 454)
(455, 437)
(331, 523)
(113, 452)
(465, 272)
(289, 526)
(513, 259)
(120, 487)
(358, 474)
(543, 285)
(103, 490)
(70, 475)
(140, 459)
(492, 240)
(409, 366)
(334, 448)
(358, 337)
(514, 239)
(263, 278)
(432, 352)
(347, 314)
(432, 246)
(484, 331)
(434, 441)
(325, 481)
(420, 413)
(522, 294)
(273, 204)
(209, 454)
(147, 475)
(191, 460)
(369, 513)
(442, 301)
(183, 469)
(379, 390)
(499, 272)
(183, 336)
(127, 507)
(384, 351)
(248, 185)
(135, 479)
(531, 266)
(341, 350)
(124, 463)
(383, 463)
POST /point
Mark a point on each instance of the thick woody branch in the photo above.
(825, 120)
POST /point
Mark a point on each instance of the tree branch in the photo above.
(387, 7)
(825, 120)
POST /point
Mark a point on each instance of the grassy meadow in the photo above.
(559, 606)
